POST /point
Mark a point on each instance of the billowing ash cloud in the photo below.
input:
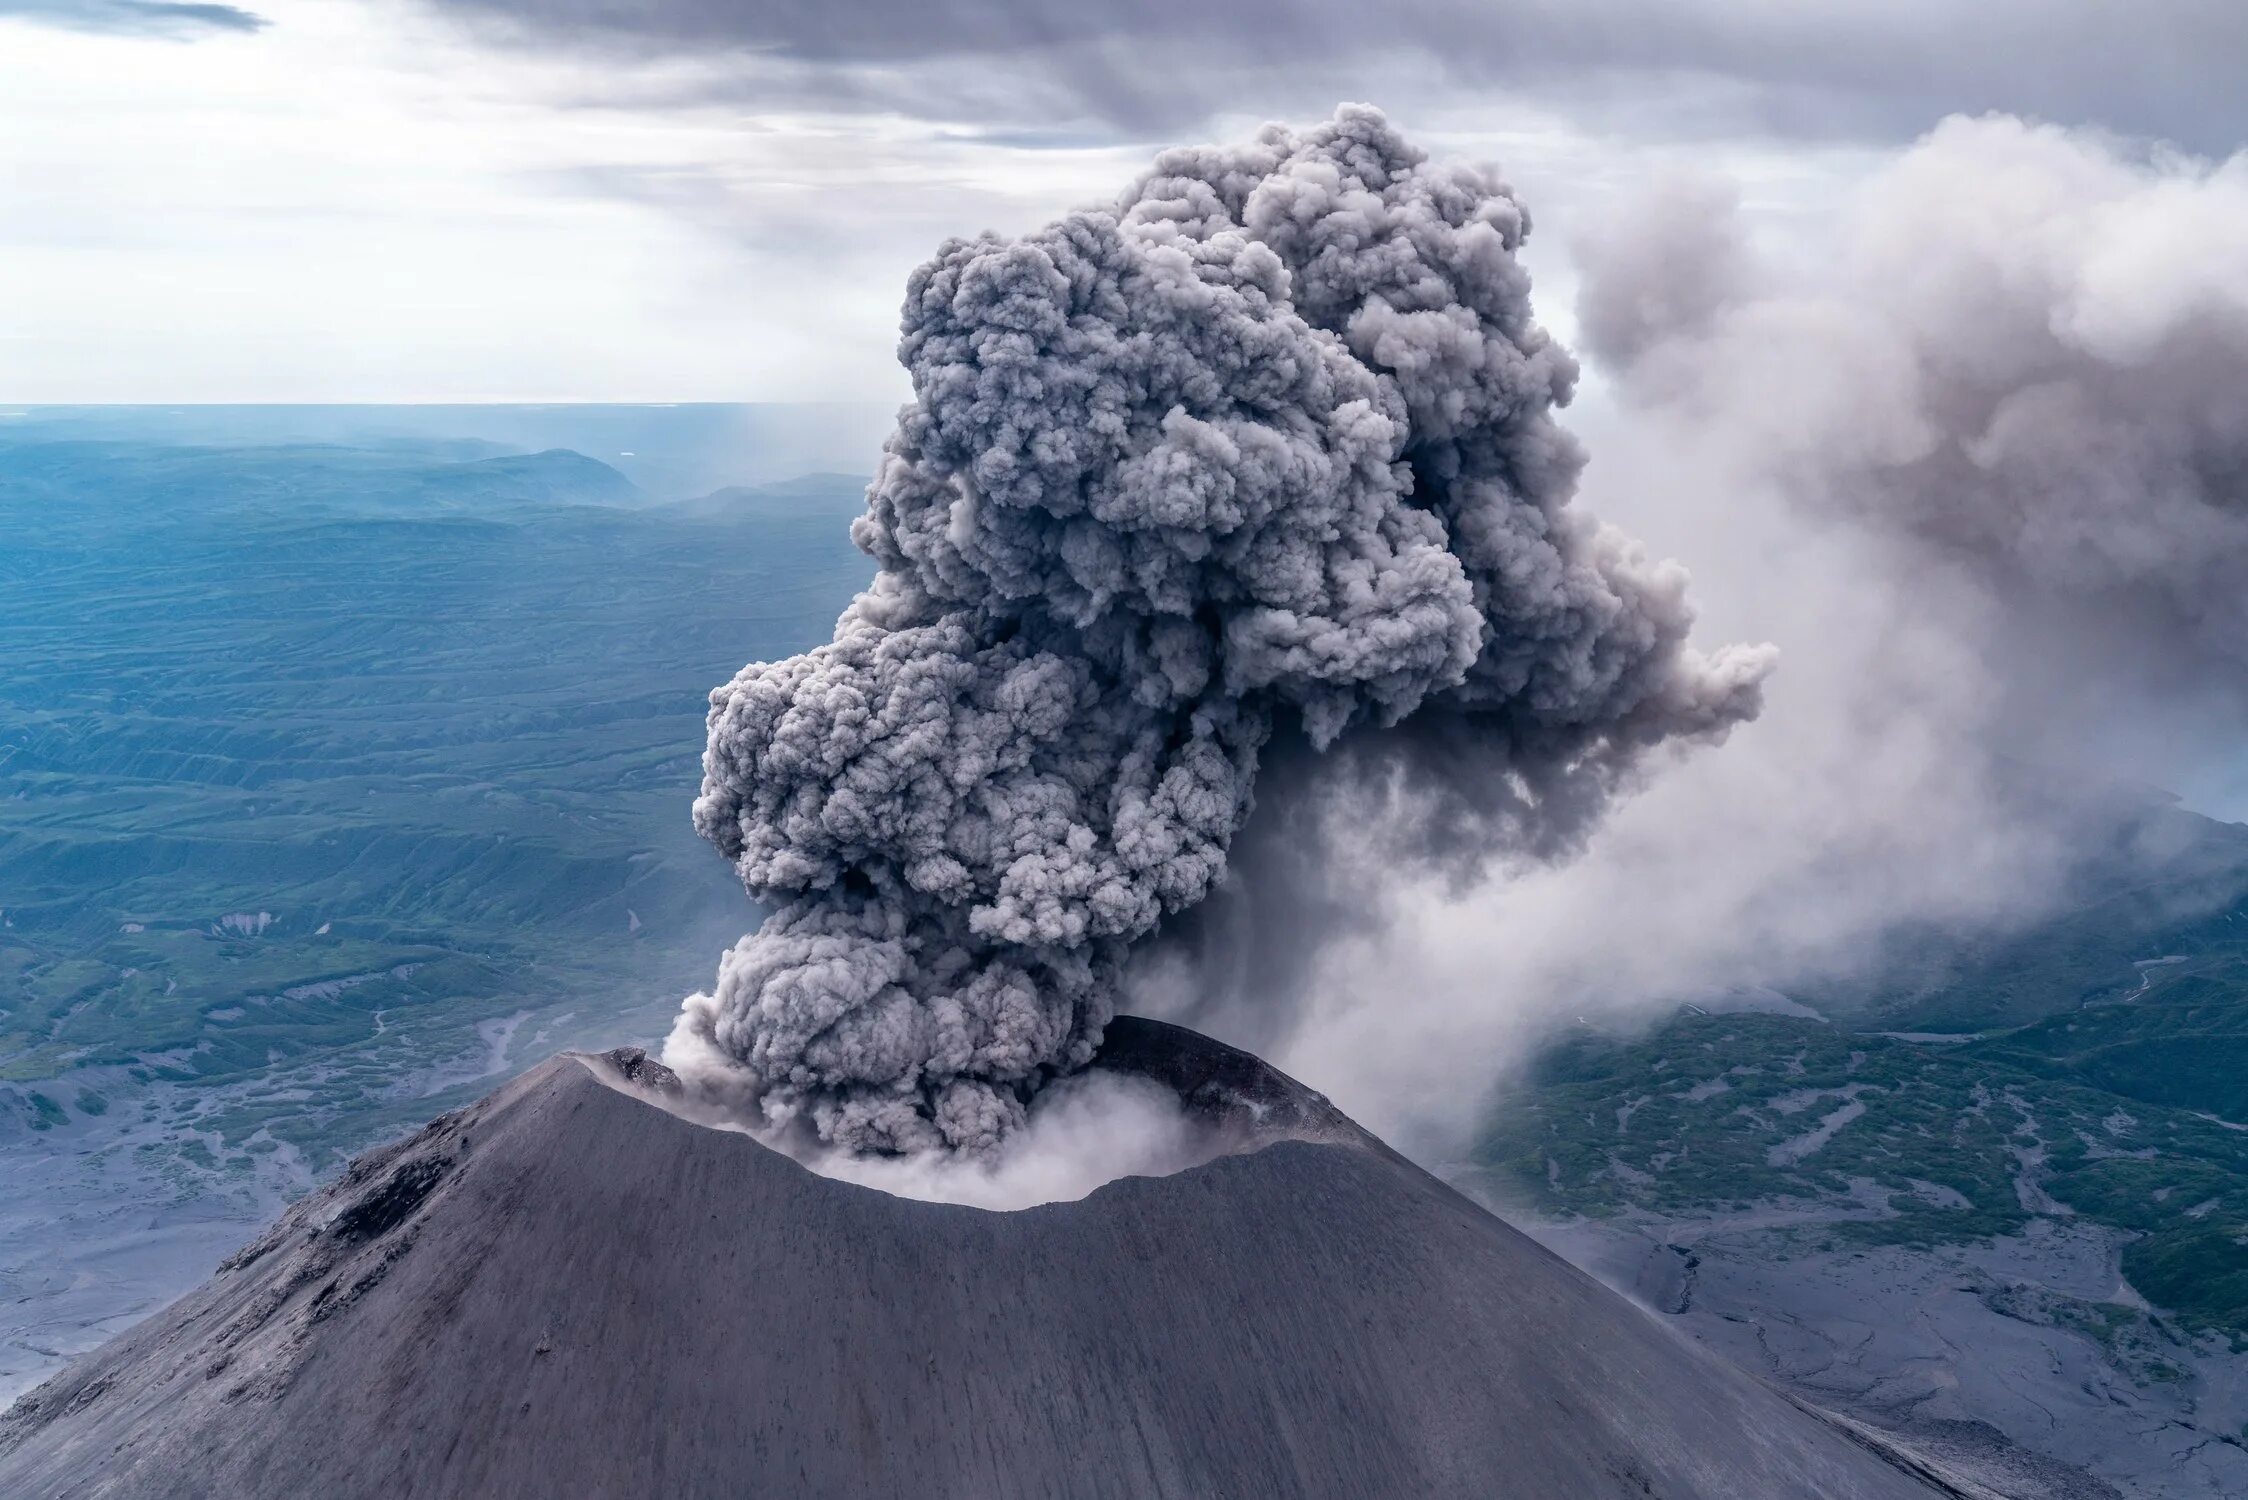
(2026, 357)
(1268, 447)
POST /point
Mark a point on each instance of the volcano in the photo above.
(571, 1289)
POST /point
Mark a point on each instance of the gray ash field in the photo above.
(567, 1289)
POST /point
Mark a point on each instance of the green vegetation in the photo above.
(2143, 1346)
(2094, 1065)
(1880, 1140)
(2160, 884)
(2181, 1042)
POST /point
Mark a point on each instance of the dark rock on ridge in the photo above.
(567, 1290)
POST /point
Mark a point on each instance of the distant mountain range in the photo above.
(116, 479)
(669, 450)
(835, 498)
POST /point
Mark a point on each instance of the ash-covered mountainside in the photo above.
(567, 1289)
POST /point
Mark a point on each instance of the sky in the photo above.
(421, 200)
(1918, 328)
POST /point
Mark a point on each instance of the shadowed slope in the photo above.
(563, 1290)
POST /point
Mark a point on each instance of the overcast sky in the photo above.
(712, 200)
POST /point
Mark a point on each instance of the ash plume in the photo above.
(1265, 449)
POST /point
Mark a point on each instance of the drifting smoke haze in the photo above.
(1976, 455)
(1261, 458)
(2028, 360)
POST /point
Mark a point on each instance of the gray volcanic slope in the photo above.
(567, 1290)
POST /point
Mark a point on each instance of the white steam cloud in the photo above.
(1266, 449)
(2026, 359)
(1078, 1134)
(1976, 454)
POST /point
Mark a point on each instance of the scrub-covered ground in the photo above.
(2040, 1223)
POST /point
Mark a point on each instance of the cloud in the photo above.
(135, 17)
(1860, 68)
(356, 204)
(1974, 451)
(1262, 457)
(2023, 355)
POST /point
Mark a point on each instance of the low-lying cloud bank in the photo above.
(179, 19)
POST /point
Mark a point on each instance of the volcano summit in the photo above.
(569, 1289)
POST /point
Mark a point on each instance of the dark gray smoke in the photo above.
(1268, 446)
